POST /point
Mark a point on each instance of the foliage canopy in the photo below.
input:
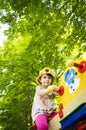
(41, 33)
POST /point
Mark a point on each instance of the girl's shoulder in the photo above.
(38, 87)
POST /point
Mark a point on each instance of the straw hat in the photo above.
(45, 71)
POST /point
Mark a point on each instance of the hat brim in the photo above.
(39, 77)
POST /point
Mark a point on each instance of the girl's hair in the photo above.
(47, 71)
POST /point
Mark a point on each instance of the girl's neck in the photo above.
(44, 86)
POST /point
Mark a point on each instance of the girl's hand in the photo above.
(50, 88)
(59, 90)
(53, 88)
(56, 89)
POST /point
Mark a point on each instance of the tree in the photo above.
(41, 33)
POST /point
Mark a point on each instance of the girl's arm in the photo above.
(55, 93)
(41, 92)
(56, 89)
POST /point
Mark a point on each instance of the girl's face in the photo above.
(46, 80)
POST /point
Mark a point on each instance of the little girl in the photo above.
(43, 108)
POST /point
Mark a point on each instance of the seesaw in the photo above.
(73, 100)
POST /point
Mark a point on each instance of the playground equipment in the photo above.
(73, 100)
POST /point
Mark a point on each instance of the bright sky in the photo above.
(2, 37)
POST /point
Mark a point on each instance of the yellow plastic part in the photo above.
(74, 90)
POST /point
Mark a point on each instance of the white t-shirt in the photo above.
(42, 104)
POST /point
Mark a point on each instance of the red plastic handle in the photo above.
(81, 66)
(61, 114)
(61, 90)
